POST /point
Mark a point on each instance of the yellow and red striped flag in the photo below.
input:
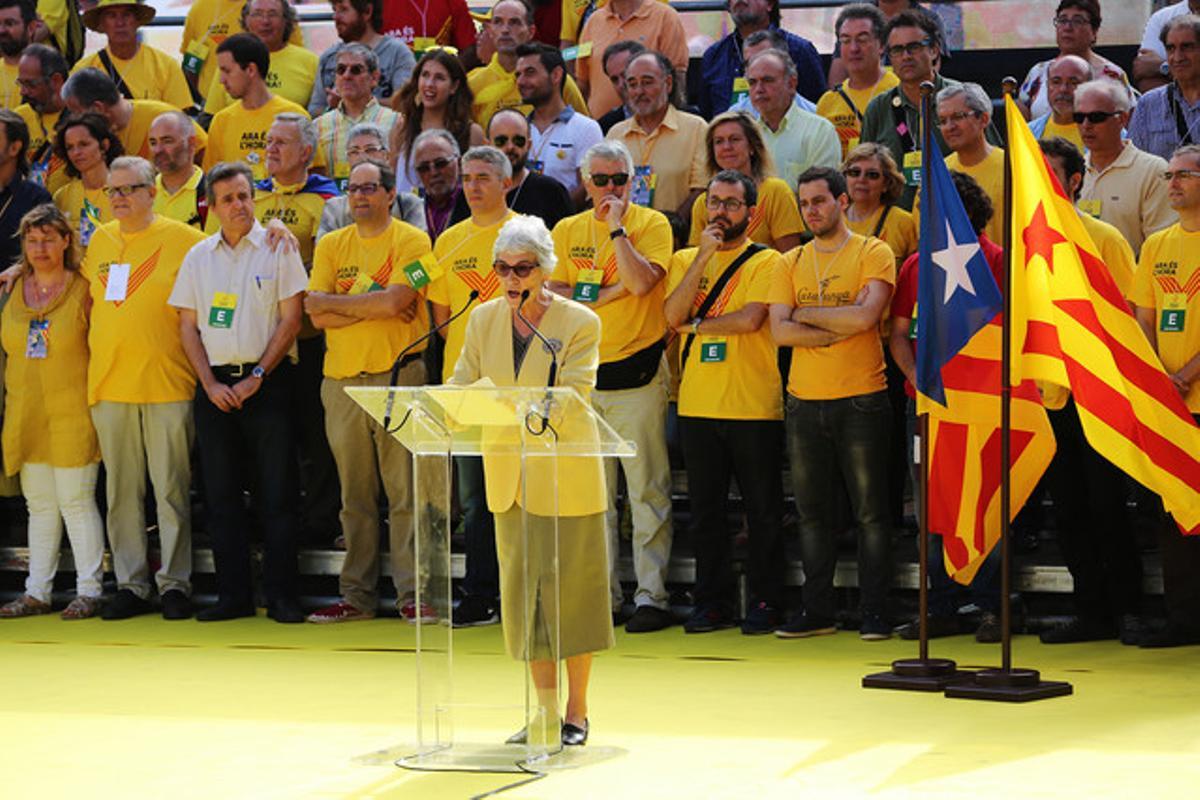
(1072, 327)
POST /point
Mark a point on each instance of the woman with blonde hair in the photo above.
(47, 436)
(875, 185)
(734, 142)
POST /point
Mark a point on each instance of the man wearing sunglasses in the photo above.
(367, 292)
(531, 192)
(357, 76)
(613, 257)
(361, 22)
(1123, 185)
(435, 160)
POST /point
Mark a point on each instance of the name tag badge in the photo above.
(912, 325)
(37, 342)
(587, 285)
(1091, 207)
(712, 350)
(194, 58)
(422, 43)
(364, 284)
(851, 143)
(417, 275)
(220, 315)
(536, 166)
(118, 283)
(912, 168)
(1174, 310)
(741, 90)
(644, 181)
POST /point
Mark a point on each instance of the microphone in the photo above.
(395, 376)
(543, 339)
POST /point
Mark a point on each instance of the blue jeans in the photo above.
(844, 439)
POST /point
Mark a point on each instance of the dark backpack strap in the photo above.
(1181, 126)
(111, 69)
(711, 298)
(201, 203)
(882, 219)
(850, 103)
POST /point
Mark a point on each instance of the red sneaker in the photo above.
(409, 612)
(339, 612)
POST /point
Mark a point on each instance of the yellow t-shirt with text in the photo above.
(346, 263)
(1168, 281)
(150, 75)
(775, 216)
(210, 22)
(291, 75)
(730, 376)
(136, 352)
(853, 366)
(240, 134)
(847, 117)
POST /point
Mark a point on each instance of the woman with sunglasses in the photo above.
(875, 186)
(734, 142)
(503, 345)
(88, 146)
(436, 96)
(48, 438)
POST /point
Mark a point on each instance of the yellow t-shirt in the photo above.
(730, 376)
(847, 117)
(291, 75)
(180, 206)
(775, 216)
(150, 75)
(210, 22)
(464, 254)
(899, 231)
(240, 134)
(581, 242)
(137, 354)
(495, 88)
(135, 137)
(1168, 281)
(299, 211)
(853, 366)
(10, 93)
(1068, 132)
(346, 263)
(1114, 251)
(87, 209)
(41, 135)
(989, 173)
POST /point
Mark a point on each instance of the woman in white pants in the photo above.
(47, 436)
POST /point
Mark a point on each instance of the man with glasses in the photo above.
(367, 292)
(40, 75)
(368, 141)
(179, 187)
(1168, 117)
(616, 57)
(357, 75)
(613, 257)
(435, 159)
(530, 192)
(1123, 185)
(859, 31)
(730, 405)
(1064, 75)
(464, 254)
(361, 22)
(1168, 310)
(140, 389)
(1150, 68)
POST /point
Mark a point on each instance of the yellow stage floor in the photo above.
(252, 709)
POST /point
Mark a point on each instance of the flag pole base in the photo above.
(918, 675)
(1014, 685)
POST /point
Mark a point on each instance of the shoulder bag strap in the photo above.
(715, 292)
(111, 69)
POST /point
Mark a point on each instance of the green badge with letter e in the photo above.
(220, 315)
(587, 285)
(1174, 309)
(417, 274)
(712, 350)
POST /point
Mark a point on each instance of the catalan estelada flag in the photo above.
(958, 382)
(1073, 328)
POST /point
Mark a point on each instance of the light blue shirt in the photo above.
(803, 140)
(801, 102)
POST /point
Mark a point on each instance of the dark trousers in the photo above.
(845, 439)
(1181, 571)
(260, 436)
(1097, 543)
(318, 473)
(752, 452)
(898, 451)
(482, 577)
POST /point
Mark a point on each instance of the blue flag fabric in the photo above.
(956, 293)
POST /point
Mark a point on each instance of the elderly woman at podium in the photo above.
(509, 341)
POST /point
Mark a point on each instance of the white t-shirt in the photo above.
(560, 149)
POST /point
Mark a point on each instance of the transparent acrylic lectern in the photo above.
(527, 437)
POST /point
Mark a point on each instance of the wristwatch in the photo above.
(617, 234)
(258, 372)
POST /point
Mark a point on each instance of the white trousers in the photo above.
(54, 494)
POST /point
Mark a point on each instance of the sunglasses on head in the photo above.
(1094, 117)
(522, 270)
(437, 163)
(618, 179)
(353, 69)
(501, 140)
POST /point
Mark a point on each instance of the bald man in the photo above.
(1063, 76)
(180, 182)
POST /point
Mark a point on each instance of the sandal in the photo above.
(82, 607)
(24, 606)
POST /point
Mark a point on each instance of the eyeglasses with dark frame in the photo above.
(353, 69)
(912, 48)
(500, 140)
(428, 166)
(618, 179)
(124, 191)
(522, 270)
(1094, 117)
(859, 172)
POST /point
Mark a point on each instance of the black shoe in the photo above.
(1080, 629)
(573, 735)
(874, 629)
(1132, 629)
(647, 619)
(125, 604)
(761, 619)
(936, 628)
(801, 626)
(1171, 636)
(705, 619)
(988, 631)
(473, 611)
(620, 617)
(286, 611)
(223, 611)
(175, 605)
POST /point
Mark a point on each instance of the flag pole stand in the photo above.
(1007, 683)
(921, 674)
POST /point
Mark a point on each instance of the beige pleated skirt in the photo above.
(584, 619)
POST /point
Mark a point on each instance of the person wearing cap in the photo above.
(208, 23)
(141, 72)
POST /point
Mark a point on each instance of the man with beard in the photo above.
(361, 21)
(531, 192)
(16, 17)
(41, 74)
(559, 134)
(730, 405)
(435, 159)
(1063, 77)
(722, 66)
(179, 186)
(826, 303)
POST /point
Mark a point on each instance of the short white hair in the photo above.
(138, 165)
(972, 94)
(492, 157)
(1114, 91)
(527, 234)
(609, 150)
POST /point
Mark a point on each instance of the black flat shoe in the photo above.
(225, 611)
(573, 735)
(286, 611)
